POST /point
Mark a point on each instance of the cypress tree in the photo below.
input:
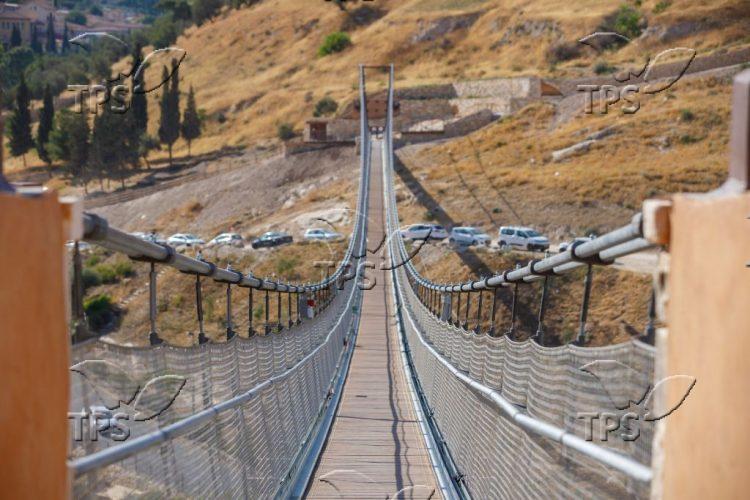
(138, 103)
(35, 45)
(46, 120)
(191, 120)
(114, 144)
(65, 43)
(169, 126)
(70, 141)
(20, 122)
(15, 37)
(51, 45)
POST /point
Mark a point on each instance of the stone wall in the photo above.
(504, 88)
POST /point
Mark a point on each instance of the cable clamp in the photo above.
(594, 259)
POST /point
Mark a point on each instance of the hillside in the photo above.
(257, 67)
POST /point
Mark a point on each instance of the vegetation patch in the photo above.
(335, 42)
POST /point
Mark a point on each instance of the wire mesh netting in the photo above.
(245, 451)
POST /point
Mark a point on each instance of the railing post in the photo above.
(153, 336)
(250, 313)
(465, 325)
(491, 332)
(289, 309)
(458, 310)
(542, 309)
(267, 328)
(650, 333)
(479, 313)
(581, 340)
(512, 329)
(230, 331)
(278, 311)
(199, 310)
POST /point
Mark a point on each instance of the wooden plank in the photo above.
(34, 357)
(375, 448)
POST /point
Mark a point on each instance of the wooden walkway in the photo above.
(375, 448)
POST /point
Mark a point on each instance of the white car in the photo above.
(321, 235)
(469, 236)
(232, 239)
(424, 231)
(521, 237)
(184, 239)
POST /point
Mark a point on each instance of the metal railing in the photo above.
(525, 409)
(232, 388)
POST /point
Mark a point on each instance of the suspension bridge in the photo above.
(393, 387)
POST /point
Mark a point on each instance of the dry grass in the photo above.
(257, 66)
(594, 191)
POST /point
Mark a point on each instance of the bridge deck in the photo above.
(375, 448)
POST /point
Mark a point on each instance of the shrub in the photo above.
(627, 22)
(662, 6)
(602, 68)
(563, 52)
(99, 311)
(76, 16)
(285, 131)
(90, 278)
(95, 10)
(335, 42)
(124, 269)
(688, 139)
(106, 272)
(325, 106)
(686, 115)
(285, 267)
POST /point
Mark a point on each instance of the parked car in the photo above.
(232, 239)
(521, 237)
(185, 239)
(424, 231)
(567, 244)
(272, 239)
(321, 235)
(469, 236)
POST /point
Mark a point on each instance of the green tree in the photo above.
(51, 45)
(65, 48)
(146, 144)
(46, 121)
(114, 144)
(76, 17)
(204, 10)
(15, 37)
(191, 120)
(36, 47)
(69, 142)
(19, 130)
(138, 103)
(325, 106)
(169, 125)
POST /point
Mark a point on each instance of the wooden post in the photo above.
(34, 357)
(702, 449)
